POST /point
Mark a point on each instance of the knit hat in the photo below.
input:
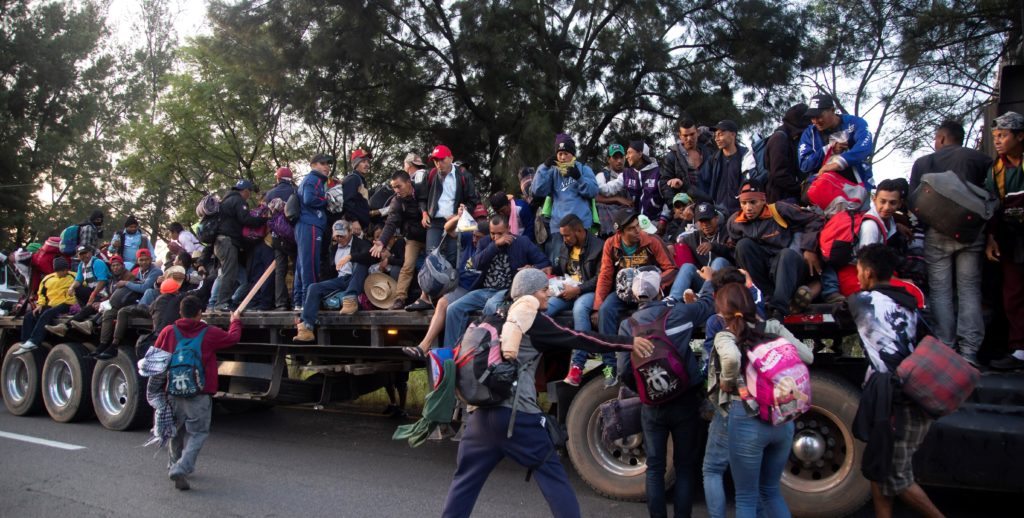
(528, 281)
(60, 264)
(169, 286)
(283, 172)
(563, 142)
(96, 215)
(358, 156)
(52, 241)
(33, 247)
(130, 220)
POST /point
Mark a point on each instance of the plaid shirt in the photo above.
(88, 235)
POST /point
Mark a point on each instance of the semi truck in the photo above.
(976, 447)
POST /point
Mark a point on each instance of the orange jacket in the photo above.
(650, 251)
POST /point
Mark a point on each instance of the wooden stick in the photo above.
(256, 287)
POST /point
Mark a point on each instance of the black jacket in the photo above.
(283, 190)
(465, 191)
(234, 214)
(357, 207)
(590, 262)
(781, 159)
(676, 165)
(405, 214)
(970, 165)
(360, 253)
(874, 425)
(719, 245)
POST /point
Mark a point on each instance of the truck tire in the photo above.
(67, 377)
(612, 470)
(118, 393)
(822, 477)
(20, 381)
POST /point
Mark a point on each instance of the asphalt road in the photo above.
(286, 462)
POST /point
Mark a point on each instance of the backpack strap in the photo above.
(776, 216)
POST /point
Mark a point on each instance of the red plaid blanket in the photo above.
(936, 377)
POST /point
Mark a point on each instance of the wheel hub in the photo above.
(16, 379)
(822, 452)
(113, 388)
(60, 383)
(808, 446)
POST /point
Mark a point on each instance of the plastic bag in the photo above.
(466, 222)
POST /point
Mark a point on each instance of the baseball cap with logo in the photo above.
(440, 152)
(817, 104)
(704, 212)
(646, 225)
(616, 149)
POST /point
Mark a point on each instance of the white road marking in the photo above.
(44, 442)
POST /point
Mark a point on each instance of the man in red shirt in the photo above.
(192, 414)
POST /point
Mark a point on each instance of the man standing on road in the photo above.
(192, 414)
(951, 263)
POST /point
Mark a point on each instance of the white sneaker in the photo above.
(26, 346)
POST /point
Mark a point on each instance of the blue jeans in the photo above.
(680, 419)
(238, 295)
(829, 280)
(582, 306)
(608, 314)
(34, 327)
(352, 284)
(949, 262)
(484, 445)
(434, 236)
(689, 278)
(456, 318)
(716, 459)
(757, 456)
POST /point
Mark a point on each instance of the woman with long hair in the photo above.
(757, 450)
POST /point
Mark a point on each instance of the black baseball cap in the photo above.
(704, 211)
(726, 125)
(321, 158)
(817, 104)
(624, 220)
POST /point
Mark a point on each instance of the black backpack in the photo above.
(208, 228)
(293, 208)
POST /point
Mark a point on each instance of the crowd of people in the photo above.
(790, 220)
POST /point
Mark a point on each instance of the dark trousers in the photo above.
(777, 273)
(283, 296)
(115, 322)
(1013, 300)
(33, 327)
(485, 444)
(260, 257)
(679, 419)
(227, 256)
(82, 294)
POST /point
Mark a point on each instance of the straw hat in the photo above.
(381, 290)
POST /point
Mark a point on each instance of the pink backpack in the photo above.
(778, 381)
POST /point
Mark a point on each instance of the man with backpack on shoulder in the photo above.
(234, 214)
(517, 427)
(781, 157)
(127, 242)
(570, 184)
(445, 189)
(284, 251)
(887, 322)
(87, 233)
(192, 381)
(669, 383)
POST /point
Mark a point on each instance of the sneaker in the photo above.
(305, 334)
(835, 298)
(349, 306)
(180, 482)
(60, 330)
(575, 375)
(802, 298)
(222, 308)
(26, 346)
(84, 327)
(297, 309)
(1007, 363)
(419, 305)
(609, 376)
(972, 358)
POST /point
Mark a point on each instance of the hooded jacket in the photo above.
(214, 340)
(357, 206)
(766, 231)
(719, 245)
(721, 190)
(313, 200)
(569, 195)
(812, 149)
(650, 251)
(642, 186)
(780, 156)
(676, 165)
(590, 262)
(234, 214)
(886, 318)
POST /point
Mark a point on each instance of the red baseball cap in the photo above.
(283, 172)
(116, 258)
(359, 153)
(143, 252)
(440, 153)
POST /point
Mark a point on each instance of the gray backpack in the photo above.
(955, 208)
(437, 276)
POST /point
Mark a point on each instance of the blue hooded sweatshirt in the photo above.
(811, 151)
(569, 195)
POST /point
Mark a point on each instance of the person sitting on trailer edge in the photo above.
(54, 299)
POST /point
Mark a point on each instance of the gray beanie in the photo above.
(527, 281)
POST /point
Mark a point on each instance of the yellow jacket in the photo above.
(53, 290)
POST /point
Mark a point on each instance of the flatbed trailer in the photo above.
(976, 447)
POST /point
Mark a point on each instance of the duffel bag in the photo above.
(953, 207)
(620, 418)
(936, 377)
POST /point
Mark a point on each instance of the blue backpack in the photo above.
(759, 147)
(185, 373)
(69, 240)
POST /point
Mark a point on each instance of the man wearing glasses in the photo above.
(309, 231)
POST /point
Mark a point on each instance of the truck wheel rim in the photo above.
(17, 380)
(822, 453)
(60, 383)
(113, 390)
(624, 458)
